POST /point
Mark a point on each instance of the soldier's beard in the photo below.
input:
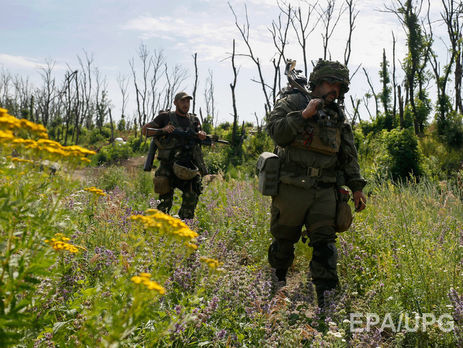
(332, 94)
(182, 111)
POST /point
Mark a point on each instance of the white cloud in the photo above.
(20, 62)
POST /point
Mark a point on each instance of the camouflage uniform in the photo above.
(313, 154)
(173, 149)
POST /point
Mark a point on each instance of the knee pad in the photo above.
(281, 254)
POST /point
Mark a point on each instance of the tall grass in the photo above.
(141, 282)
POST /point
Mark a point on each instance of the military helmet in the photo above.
(185, 171)
(326, 70)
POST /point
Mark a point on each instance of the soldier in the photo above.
(181, 160)
(316, 148)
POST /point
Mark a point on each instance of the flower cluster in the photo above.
(212, 263)
(96, 191)
(156, 219)
(17, 134)
(144, 278)
(21, 160)
(11, 123)
(60, 242)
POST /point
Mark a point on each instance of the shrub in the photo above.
(404, 156)
(139, 145)
(113, 153)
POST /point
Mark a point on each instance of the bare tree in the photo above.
(69, 76)
(330, 20)
(353, 13)
(141, 87)
(195, 59)
(245, 31)
(301, 23)
(451, 15)
(123, 83)
(355, 108)
(394, 83)
(48, 91)
(375, 96)
(86, 85)
(174, 79)
(210, 98)
(279, 31)
(235, 142)
(157, 60)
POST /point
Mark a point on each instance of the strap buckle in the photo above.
(314, 171)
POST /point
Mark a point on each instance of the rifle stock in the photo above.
(290, 73)
(150, 157)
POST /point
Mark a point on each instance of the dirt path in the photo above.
(131, 164)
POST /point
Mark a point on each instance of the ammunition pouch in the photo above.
(268, 167)
(343, 211)
(161, 185)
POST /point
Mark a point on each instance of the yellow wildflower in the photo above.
(191, 245)
(156, 219)
(96, 191)
(211, 263)
(60, 242)
(143, 278)
(16, 159)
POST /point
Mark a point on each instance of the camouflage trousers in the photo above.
(314, 208)
(191, 189)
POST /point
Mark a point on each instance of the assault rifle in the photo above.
(190, 136)
(293, 77)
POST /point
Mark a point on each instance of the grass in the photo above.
(402, 255)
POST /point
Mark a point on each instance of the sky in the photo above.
(37, 31)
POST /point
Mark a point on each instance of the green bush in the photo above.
(215, 159)
(95, 137)
(113, 153)
(405, 158)
(450, 130)
(139, 145)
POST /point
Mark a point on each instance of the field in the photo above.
(86, 266)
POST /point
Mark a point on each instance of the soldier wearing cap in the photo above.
(181, 161)
(317, 154)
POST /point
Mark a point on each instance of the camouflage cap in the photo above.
(182, 95)
(326, 70)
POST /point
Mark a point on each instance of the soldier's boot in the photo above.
(323, 270)
(280, 257)
(166, 201)
(189, 202)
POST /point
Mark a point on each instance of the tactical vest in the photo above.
(322, 135)
(312, 156)
(171, 148)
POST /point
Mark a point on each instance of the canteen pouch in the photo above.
(343, 211)
(268, 167)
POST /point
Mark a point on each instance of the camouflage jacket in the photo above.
(300, 164)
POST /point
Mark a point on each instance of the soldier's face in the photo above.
(328, 90)
(182, 106)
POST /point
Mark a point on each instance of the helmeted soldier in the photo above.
(181, 160)
(316, 149)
